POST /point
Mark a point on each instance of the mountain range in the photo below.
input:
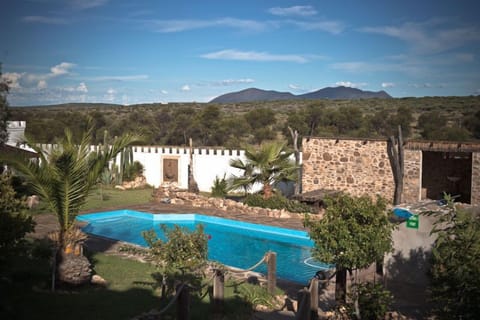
(341, 92)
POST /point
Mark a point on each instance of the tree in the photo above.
(455, 268)
(314, 115)
(354, 233)
(267, 165)
(65, 176)
(473, 124)
(431, 125)
(403, 118)
(3, 109)
(261, 122)
(14, 223)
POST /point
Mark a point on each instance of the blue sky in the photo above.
(127, 52)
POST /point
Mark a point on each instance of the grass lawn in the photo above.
(25, 293)
(107, 198)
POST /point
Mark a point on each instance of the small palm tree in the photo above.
(65, 176)
(267, 165)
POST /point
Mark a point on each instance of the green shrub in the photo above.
(181, 257)
(276, 202)
(219, 188)
(373, 300)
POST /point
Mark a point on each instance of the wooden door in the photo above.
(170, 170)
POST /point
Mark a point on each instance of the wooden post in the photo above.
(271, 272)
(183, 303)
(314, 299)
(396, 157)
(304, 300)
(296, 152)
(218, 291)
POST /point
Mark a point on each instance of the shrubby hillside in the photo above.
(232, 125)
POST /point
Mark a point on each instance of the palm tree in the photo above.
(267, 165)
(64, 176)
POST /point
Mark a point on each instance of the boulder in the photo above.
(97, 280)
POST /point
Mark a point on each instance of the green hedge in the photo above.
(276, 202)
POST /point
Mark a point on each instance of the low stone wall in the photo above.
(169, 193)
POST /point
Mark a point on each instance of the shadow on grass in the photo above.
(408, 281)
(25, 293)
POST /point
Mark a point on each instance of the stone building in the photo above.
(362, 166)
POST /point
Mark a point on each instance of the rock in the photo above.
(284, 214)
(97, 280)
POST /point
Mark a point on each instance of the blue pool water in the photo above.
(234, 243)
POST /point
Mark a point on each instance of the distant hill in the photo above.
(254, 94)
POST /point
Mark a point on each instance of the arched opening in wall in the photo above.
(447, 172)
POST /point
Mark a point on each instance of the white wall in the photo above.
(208, 163)
(16, 132)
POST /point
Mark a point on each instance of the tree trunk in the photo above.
(267, 191)
(341, 286)
(395, 154)
(192, 184)
(294, 134)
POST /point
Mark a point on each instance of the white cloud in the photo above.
(351, 84)
(87, 4)
(134, 77)
(42, 85)
(429, 37)
(169, 26)
(12, 79)
(61, 69)
(229, 82)
(388, 84)
(293, 11)
(82, 87)
(110, 95)
(368, 67)
(55, 71)
(421, 85)
(333, 27)
(163, 91)
(44, 20)
(186, 88)
(232, 54)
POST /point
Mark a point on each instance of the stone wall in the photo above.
(357, 167)
(475, 200)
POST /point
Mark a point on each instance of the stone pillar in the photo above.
(412, 180)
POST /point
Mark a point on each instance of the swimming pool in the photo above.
(234, 243)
